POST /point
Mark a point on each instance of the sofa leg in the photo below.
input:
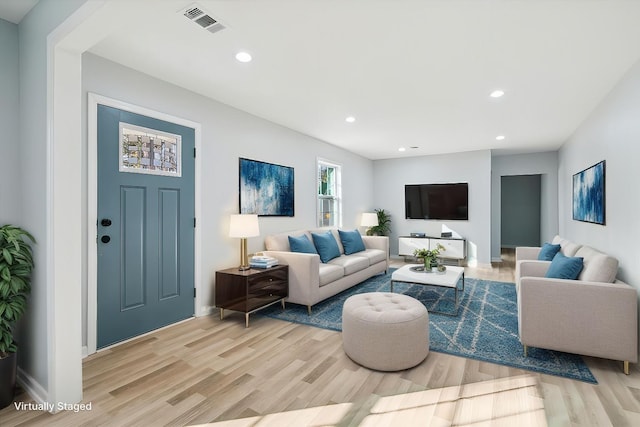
(626, 367)
(525, 350)
(309, 310)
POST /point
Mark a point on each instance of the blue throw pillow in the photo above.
(352, 241)
(302, 244)
(548, 251)
(563, 267)
(326, 246)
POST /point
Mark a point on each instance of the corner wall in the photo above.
(390, 177)
(9, 123)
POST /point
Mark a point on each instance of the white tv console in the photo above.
(455, 248)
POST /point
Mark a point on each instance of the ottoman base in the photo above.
(385, 331)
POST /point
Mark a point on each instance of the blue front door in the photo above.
(145, 224)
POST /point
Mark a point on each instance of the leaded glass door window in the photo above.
(149, 151)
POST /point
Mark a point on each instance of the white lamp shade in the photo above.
(244, 225)
(369, 219)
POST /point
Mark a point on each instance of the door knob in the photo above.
(105, 239)
(105, 222)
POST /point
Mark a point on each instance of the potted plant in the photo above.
(384, 224)
(429, 256)
(16, 264)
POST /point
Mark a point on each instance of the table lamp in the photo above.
(369, 219)
(243, 226)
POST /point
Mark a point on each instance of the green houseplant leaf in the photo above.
(16, 265)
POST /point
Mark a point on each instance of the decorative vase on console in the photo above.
(429, 256)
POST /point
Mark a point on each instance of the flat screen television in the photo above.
(437, 201)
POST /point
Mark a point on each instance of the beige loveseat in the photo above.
(595, 315)
(311, 281)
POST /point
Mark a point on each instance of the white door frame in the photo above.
(92, 205)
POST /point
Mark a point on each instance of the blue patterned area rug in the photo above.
(486, 327)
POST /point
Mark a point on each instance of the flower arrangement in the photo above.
(429, 255)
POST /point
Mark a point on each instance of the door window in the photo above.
(149, 151)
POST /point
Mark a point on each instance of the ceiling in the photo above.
(412, 73)
(15, 10)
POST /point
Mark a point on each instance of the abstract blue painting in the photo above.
(588, 194)
(266, 189)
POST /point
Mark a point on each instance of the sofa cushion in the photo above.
(548, 251)
(302, 244)
(351, 263)
(330, 273)
(326, 246)
(569, 248)
(563, 267)
(333, 231)
(277, 242)
(373, 255)
(280, 242)
(598, 267)
(351, 241)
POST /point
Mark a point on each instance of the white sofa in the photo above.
(311, 281)
(595, 315)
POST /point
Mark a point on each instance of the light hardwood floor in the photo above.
(206, 370)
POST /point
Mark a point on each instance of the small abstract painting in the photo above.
(588, 194)
(266, 189)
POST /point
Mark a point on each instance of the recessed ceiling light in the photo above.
(500, 137)
(243, 57)
(496, 93)
(350, 119)
(401, 149)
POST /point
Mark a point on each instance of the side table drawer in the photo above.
(250, 290)
(269, 283)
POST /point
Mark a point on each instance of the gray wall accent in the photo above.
(520, 211)
(228, 134)
(545, 164)
(610, 133)
(9, 123)
(390, 177)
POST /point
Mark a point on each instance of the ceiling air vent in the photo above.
(193, 12)
(199, 16)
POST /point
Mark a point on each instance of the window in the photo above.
(149, 151)
(329, 195)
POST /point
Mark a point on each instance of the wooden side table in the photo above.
(251, 290)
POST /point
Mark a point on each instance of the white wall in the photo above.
(227, 135)
(390, 177)
(545, 164)
(611, 133)
(9, 107)
(42, 371)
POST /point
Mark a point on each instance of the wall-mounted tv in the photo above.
(437, 201)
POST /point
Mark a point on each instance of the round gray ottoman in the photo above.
(385, 331)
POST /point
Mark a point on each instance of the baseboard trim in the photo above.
(206, 311)
(496, 259)
(32, 387)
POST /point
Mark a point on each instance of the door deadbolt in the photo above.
(105, 239)
(105, 222)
